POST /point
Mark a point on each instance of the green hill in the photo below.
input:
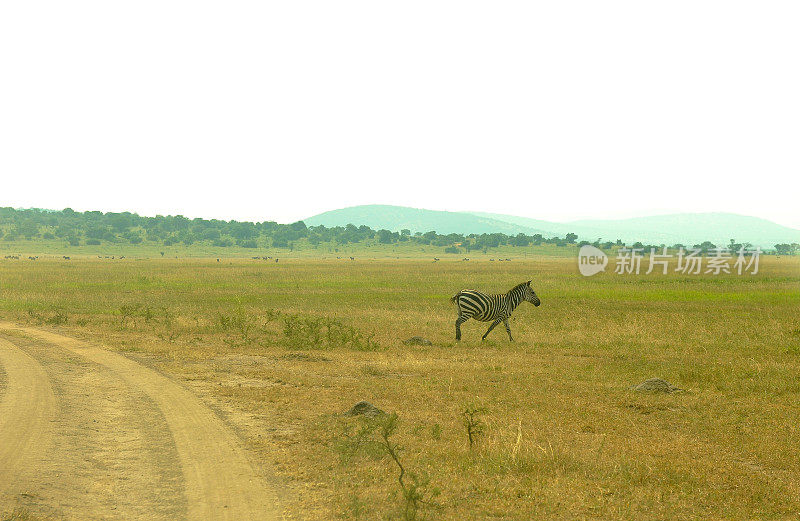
(396, 218)
(687, 228)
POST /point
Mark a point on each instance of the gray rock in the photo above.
(365, 409)
(417, 341)
(656, 385)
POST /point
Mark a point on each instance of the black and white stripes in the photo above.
(495, 308)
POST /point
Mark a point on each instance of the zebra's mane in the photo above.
(518, 286)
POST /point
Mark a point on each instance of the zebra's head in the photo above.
(530, 295)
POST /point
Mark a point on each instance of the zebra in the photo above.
(494, 308)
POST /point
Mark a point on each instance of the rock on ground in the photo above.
(656, 385)
(417, 341)
(365, 409)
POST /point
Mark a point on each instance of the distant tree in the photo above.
(209, 234)
(244, 231)
(521, 240)
(120, 221)
(571, 237)
(95, 232)
(386, 237)
(734, 246)
(705, 246)
(28, 228)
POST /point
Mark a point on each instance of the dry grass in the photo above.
(564, 437)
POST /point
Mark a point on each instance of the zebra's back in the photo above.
(478, 305)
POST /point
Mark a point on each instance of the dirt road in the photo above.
(87, 433)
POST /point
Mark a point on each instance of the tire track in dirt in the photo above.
(219, 481)
(110, 453)
(27, 405)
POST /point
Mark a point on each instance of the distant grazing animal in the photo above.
(495, 308)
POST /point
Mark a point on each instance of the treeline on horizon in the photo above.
(95, 228)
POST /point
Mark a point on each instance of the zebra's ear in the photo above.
(528, 283)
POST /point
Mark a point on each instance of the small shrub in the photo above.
(302, 332)
(374, 438)
(473, 423)
(57, 319)
(90, 242)
(416, 490)
(34, 315)
(358, 442)
(239, 327)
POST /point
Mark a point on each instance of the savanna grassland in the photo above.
(281, 349)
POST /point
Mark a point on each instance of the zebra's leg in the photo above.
(508, 330)
(460, 320)
(490, 328)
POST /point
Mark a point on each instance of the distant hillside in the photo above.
(689, 228)
(685, 228)
(396, 218)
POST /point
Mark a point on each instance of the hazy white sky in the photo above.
(280, 110)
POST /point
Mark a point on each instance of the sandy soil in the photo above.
(86, 434)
